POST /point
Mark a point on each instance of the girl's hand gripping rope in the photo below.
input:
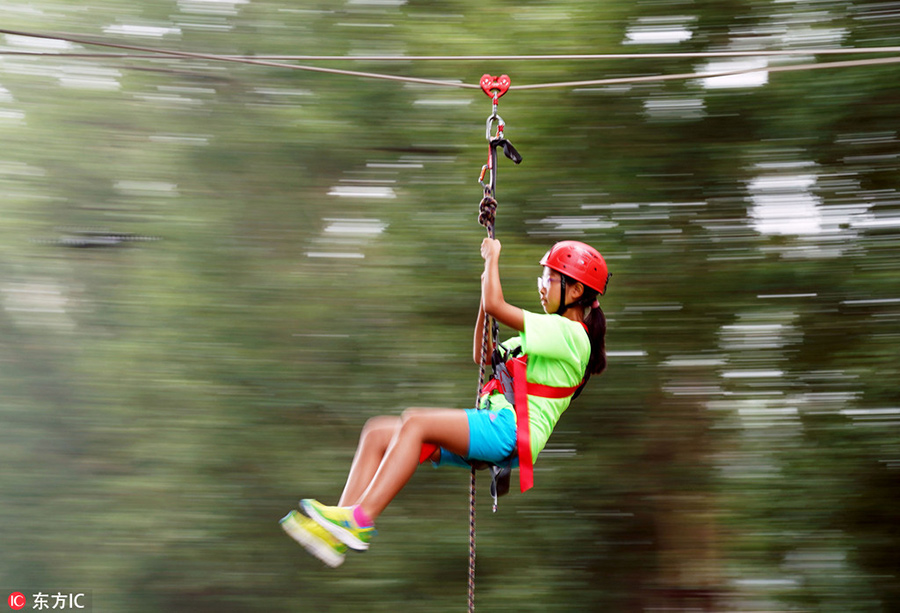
(490, 249)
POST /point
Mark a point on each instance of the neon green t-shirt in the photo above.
(558, 351)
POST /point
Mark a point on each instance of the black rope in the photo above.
(487, 216)
(487, 211)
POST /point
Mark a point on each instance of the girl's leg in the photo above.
(448, 428)
(374, 440)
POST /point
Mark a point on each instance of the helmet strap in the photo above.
(562, 295)
(563, 307)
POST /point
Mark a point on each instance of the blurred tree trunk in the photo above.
(684, 503)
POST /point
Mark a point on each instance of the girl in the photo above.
(564, 347)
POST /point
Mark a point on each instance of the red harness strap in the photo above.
(519, 368)
(428, 450)
(522, 389)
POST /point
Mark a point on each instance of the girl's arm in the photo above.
(492, 293)
(479, 335)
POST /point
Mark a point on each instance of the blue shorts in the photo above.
(492, 438)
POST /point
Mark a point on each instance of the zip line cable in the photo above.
(225, 58)
(271, 63)
(478, 58)
(710, 75)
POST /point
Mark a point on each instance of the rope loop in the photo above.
(487, 212)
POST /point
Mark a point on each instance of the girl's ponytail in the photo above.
(595, 321)
(596, 325)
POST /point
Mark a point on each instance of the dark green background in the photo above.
(167, 398)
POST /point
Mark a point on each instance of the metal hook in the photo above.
(490, 123)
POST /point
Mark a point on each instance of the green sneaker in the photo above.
(314, 538)
(340, 523)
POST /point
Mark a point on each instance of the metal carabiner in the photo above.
(490, 124)
(488, 169)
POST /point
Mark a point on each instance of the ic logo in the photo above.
(17, 601)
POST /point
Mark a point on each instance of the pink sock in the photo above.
(361, 518)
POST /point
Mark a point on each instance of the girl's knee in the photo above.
(413, 417)
(409, 414)
(383, 425)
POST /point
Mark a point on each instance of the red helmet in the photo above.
(580, 262)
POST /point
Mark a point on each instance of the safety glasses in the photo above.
(545, 282)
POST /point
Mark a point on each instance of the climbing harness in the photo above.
(509, 379)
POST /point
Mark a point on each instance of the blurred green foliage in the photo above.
(212, 274)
